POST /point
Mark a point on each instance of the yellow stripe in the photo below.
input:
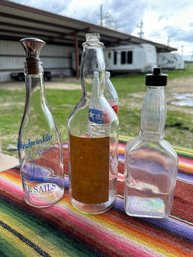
(37, 238)
(16, 243)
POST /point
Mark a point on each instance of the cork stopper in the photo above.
(32, 47)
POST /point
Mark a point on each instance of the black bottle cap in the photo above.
(157, 78)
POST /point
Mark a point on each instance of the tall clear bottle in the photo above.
(93, 137)
(39, 144)
(110, 93)
(150, 161)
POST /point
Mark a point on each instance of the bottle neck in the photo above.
(153, 113)
(92, 60)
(35, 95)
(95, 92)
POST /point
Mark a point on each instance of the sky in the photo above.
(169, 22)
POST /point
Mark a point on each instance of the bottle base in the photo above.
(43, 200)
(146, 207)
(147, 215)
(45, 205)
(93, 208)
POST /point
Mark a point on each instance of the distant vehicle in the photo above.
(125, 58)
(21, 77)
(170, 61)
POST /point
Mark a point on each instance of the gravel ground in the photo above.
(7, 162)
(56, 83)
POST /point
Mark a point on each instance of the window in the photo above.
(129, 57)
(115, 58)
(109, 55)
(126, 57)
(123, 57)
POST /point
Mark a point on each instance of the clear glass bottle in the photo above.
(93, 137)
(39, 144)
(150, 161)
(110, 93)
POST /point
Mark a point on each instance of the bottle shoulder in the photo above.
(133, 144)
(166, 145)
(148, 149)
(100, 108)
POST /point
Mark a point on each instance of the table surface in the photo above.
(61, 230)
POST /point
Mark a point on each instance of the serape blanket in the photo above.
(60, 230)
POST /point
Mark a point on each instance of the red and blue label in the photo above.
(98, 116)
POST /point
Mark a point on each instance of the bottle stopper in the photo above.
(156, 78)
(32, 47)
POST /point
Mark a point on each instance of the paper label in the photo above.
(98, 116)
(89, 158)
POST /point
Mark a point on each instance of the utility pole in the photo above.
(168, 42)
(190, 62)
(140, 26)
(182, 49)
(101, 15)
(191, 59)
(106, 19)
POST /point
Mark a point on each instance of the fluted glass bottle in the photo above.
(150, 161)
(93, 137)
(39, 144)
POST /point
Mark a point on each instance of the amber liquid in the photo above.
(89, 159)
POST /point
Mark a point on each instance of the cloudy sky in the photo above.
(163, 21)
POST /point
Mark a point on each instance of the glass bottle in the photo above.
(39, 144)
(150, 161)
(110, 93)
(93, 137)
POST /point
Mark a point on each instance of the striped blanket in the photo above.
(60, 230)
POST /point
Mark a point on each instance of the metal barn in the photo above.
(64, 37)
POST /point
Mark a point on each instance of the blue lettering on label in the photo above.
(41, 188)
(31, 143)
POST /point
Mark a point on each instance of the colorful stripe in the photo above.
(61, 230)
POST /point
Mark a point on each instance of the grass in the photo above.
(179, 125)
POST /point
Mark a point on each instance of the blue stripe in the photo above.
(170, 224)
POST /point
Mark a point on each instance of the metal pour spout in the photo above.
(32, 46)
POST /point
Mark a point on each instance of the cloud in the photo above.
(83, 10)
(125, 14)
(51, 6)
(162, 20)
(178, 34)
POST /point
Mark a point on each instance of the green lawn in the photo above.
(179, 126)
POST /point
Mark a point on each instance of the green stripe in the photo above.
(24, 239)
(9, 250)
(56, 237)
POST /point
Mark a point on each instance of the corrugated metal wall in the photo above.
(57, 59)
